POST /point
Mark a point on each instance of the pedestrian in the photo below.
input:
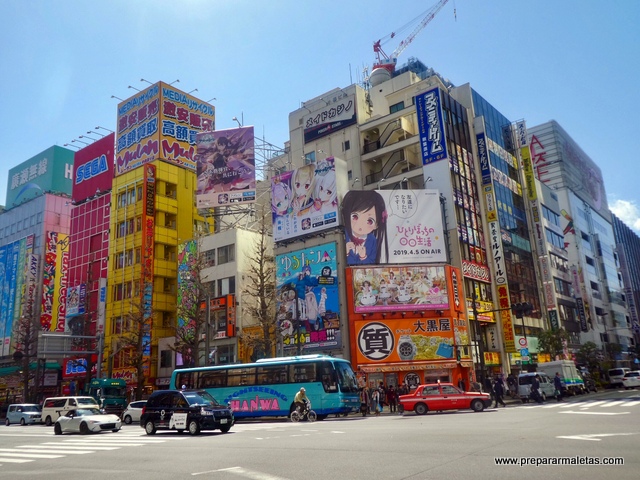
(383, 396)
(557, 383)
(375, 401)
(461, 385)
(535, 389)
(392, 399)
(498, 392)
(364, 401)
(512, 383)
(488, 386)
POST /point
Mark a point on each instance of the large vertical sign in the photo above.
(433, 141)
(93, 169)
(226, 167)
(495, 246)
(149, 212)
(9, 256)
(307, 302)
(304, 200)
(54, 282)
(399, 226)
(160, 122)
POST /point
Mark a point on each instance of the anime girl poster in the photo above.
(304, 200)
(307, 301)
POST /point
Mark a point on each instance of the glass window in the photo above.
(226, 254)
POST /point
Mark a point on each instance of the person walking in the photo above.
(535, 389)
(557, 383)
(489, 387)
(498, 392)
(392, 399)
(375, 401)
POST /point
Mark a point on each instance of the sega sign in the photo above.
(91, 169)
(76, 367)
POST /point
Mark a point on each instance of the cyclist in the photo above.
(301, 401)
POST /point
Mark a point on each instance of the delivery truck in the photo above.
(572, 382)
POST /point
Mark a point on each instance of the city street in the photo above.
(448, 445)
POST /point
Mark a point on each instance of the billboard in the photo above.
(401, 340)
(93, 169)
(393, 226)
(54, 282)
(433, 141)
(307, 301)
(330, 119)
(49, 171)
(384, 289)
(304, 200)
(160, 122)
(226, 167)
(187, 295)
(149, 214)
(76, 299)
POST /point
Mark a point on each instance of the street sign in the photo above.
(523, 342)
(524, 352)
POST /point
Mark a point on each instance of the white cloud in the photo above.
(628, 212)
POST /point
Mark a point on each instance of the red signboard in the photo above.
(93, 169)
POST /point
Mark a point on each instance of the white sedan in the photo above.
(631, 379)
(86, 420)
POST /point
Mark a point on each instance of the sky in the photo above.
(573, 61)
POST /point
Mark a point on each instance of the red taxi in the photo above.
(436, 397)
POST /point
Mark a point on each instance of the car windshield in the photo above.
(201, 398)
(31, 408)
(86, 401)
(632, 374)
(83, 412)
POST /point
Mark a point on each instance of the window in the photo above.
(166, 359)
(310, 158)
(396, 107)
(226, 286)
(346, 145)
(209, 258)
(226, 254)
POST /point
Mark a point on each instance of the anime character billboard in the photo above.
(304, 200)
(385, 289)
(307, 303)
(226, 167)
(393, 226)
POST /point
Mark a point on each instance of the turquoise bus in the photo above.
(267, 387)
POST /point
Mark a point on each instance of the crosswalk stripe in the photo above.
(102, 444)
(113, 440)
(553, 405)
(16, 453)
(592, 404)
(93, 447)
(611, 404)
(633, 403)
(13, 460)
(70, 451)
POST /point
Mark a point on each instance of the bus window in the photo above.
(188, 379)
(346, 378)
(272, 375)
(329, 378)
(214, 378)
(305, 372)
(241, 376)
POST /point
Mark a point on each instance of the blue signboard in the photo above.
(433, 141)
(483, 157)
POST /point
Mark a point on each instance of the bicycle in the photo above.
(308, 414)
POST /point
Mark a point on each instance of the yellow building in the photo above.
(152, 211)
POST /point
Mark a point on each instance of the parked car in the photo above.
(616, 375)
(192, 410)
(86, 420)
(133, 411)
(442, 396)
(24, 414)
(631, 379)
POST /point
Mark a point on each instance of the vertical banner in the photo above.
(102, 304)
(226, 167)
(433, 141)
(149, 213)
(307, 302)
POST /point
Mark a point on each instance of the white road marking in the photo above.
(633, 403)
(242, 472)
(593, 437)
(597, 413)
(592, 404)
(13, 460)
(611, 404)
(93, 447)
(70, 451)
(553, 405)
(17, 453)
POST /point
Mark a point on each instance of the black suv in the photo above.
(180, 410)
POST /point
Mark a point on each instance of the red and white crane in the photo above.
(388, 62)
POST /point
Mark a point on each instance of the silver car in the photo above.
(86, 420)
(24, 414)
(133, 411)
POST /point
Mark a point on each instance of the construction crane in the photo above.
(388, 62)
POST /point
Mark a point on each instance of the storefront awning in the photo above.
(407, 366)
(32, 366)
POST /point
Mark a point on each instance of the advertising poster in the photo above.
(304, 200)
(160, 122)
(393, 226)
(60, 284)
(401, 340)
(76, 298)
(8, 275)
(93, 168)
(148, 245)
(384, 289)
(226, 167)
(432, 135)
(307, 302)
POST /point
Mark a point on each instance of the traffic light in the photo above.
(521, 309)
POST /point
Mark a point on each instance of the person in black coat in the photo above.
(498, 392)
(535, 389)
(557, 383)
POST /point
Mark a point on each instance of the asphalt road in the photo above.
(455, 445)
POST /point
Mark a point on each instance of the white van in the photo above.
(616, 375)
(547, 389)
(54, 407)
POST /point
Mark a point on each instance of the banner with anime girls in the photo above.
(393, 226)
(304, 200)
(385, 289)
(307, 302)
